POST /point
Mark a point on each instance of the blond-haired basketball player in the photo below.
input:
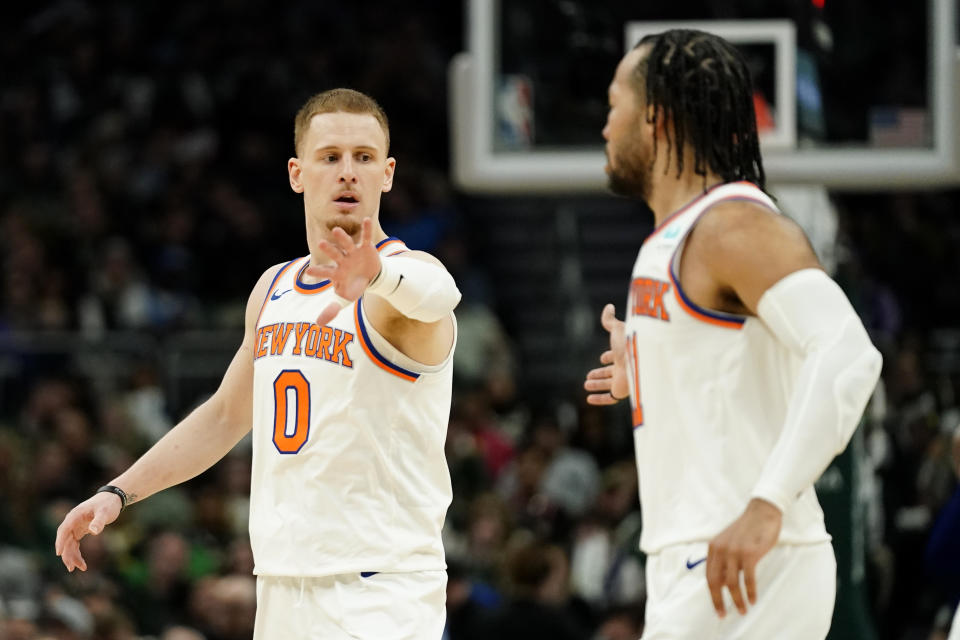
(344, 375)
(746, 368)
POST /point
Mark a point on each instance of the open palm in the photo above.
(353, 267)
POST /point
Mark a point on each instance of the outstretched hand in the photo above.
(738, 549)
(354, 266)
(88, 517)
(608, 384)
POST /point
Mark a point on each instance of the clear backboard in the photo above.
(854, 95)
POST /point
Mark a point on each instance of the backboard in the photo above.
(870, 103)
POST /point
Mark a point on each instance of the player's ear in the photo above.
(388, 172)
(293, 171)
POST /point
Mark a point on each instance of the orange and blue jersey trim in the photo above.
(308, 289)
(716, 318)
(375, 356)
(391, 246)
(273, 285)
(710, 316)
(387, 244)
(670, 218)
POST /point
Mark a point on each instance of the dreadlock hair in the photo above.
(701, 83)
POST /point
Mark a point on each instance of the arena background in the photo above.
(143, 191)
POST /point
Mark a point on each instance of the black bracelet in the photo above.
(117, 491)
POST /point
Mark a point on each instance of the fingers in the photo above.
(366, 232)
(599, 382)
(330, 250)
(723, 570)
(329, 313)
(597, 385)
(342, 240)
(61, 540)
(601, 399)
(750, 580)
(607, 357)
(98, 523)
(608, 317)
(340, 243)
(66, 531)
(68, 548)
(732, 581)
(324, 271)
(72, 559)
(600, 373)
(715, 577)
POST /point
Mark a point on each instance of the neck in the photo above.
(669, 192)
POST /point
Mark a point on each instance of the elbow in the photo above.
(868, 366)
(852, 388)
(438, 303)
(446, 295)
(875, 363)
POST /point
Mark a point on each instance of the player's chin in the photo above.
(349, 225)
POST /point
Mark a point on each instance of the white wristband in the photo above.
(418, 289)
(387, 280)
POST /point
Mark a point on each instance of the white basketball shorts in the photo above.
(796, 589)
(377, 606)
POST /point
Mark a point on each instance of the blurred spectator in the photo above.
(942, 561)
(138, 187)
(158, 592)
(181, 633)
(538, 606)
(621, 623)
(470, 603)
(571, 480)
(607, 566)
(479, 550)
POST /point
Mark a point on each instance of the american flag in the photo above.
(899, 127)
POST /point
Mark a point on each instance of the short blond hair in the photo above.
(334, 101)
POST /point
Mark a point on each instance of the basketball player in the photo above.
(344, 375)
(746, 368)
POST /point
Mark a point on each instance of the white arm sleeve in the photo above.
(811, 316)
(419, 290)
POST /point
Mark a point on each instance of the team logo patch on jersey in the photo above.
(672, 232)
(305, 339)
(646, 298)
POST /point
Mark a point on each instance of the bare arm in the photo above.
(191, 447)
(739, 250)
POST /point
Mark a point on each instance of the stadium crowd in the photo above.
(142, 191)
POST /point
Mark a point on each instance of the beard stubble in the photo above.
(350, 226)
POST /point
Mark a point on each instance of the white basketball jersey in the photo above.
(709, 393)
(349, 473)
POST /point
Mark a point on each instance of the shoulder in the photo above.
(735, 227)
(262, 287)
(423, 256)
(746, 247)
(268, 276)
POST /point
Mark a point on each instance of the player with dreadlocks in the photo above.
(746, 368)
